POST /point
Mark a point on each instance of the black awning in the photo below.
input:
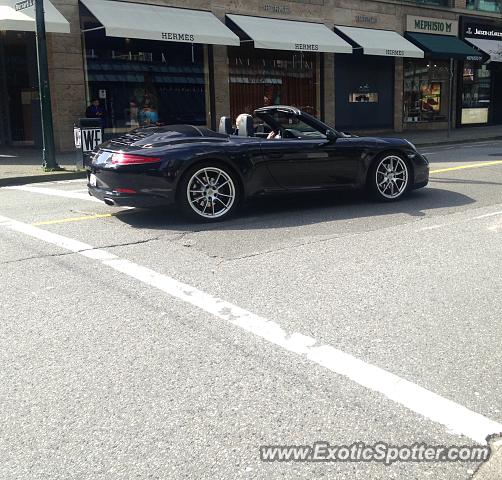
(445, 47)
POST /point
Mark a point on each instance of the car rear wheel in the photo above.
(209, 192)
(389, 178)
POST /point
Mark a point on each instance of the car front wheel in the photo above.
(389, 178)
(209, 193)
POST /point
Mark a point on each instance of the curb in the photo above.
(457, 142)
(47, 177)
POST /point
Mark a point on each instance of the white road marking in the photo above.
(54, 192)
(493, 214)
(458, 419)
(458, 222)
(433, 227)
(75, 180)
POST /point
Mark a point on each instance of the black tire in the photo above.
(209, 192)
(387, 186)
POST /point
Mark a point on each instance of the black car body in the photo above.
(151, 166)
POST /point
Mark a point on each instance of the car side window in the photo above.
(294, 127)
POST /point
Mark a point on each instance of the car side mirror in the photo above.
(331, 136)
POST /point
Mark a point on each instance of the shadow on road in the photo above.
(300, 210)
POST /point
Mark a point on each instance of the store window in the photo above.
(143, 82)
(19, 100)
(267, 77)
(476, 94)
(485, 5)
(426, 91)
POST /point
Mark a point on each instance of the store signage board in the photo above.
(435, 26)
(366, 19)
(283, 9)
(24, 5)
(487, 32)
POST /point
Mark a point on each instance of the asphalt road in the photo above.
(159, 349)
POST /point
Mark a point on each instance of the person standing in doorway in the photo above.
(95, 110)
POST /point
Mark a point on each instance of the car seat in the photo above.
(226, 126)
(245, 125)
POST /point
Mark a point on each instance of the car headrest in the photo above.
(245, 125)
(226, 125)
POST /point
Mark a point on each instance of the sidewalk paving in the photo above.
(24, 164)
(437, 137)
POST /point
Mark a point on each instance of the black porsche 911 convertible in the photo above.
(279, 149)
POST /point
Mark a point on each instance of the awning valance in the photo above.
(24, 20)
(278, 34)
(154, 22)
(444, 46)
(493, 48)
(381, 42)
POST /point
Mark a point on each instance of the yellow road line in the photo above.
(465, 167)
(108, 215)
(73, 219)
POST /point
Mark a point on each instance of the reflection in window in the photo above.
(143, 82)
(267, 77)
(485, 5)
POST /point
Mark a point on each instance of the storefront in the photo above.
(149, 65)
(19, 100)
(429, 83)
(364, 82)
(481, 84)
(279, 62)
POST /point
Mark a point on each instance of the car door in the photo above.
(312, 163)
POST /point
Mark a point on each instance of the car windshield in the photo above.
(295, 125)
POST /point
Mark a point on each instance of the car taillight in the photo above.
(128, 159)
(125, 190)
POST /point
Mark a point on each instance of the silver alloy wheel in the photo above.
(392, 177)
(211, 192)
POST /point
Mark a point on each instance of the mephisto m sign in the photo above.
(436, 26)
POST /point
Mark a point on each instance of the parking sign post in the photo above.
(49, 150)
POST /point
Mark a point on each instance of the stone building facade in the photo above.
(69, 74)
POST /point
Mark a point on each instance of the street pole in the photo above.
(49, 152)
(450, 99)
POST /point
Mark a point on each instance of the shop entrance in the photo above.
(19, 102)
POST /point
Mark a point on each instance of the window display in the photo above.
(364, 92)
(426, 91)
(430, 97)
(476, 94)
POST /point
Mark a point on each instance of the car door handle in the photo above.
(276, 155)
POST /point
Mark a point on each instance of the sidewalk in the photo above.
(438, 137)
(24, 164)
